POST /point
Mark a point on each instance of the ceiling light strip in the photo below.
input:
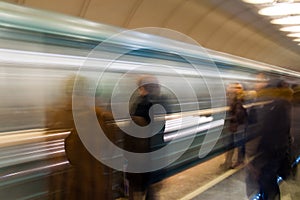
(281, 9)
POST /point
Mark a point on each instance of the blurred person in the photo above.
(261, 81)
(289, 94)
(296, 95)
(285, 92)
(236, 122)
(149, 91)
(255, 116)
(272, 154)
(295, 125)
(87, 178)
(149, 95)
(60, 118)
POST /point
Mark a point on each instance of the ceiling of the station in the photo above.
(229, 26)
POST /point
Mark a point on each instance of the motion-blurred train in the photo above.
(42, 51)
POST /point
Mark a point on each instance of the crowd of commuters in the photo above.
(270, 154)
(266, 157)
(87, 177)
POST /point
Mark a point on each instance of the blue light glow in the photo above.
(256, 197)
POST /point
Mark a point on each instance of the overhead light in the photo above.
(287, 20)
(291, 28)
(294, 35)
(258, 1)
(297, 39)
(281, 9)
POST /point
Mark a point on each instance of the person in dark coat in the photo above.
(143, 115)
(272, 156)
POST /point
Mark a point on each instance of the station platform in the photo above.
(207, 181)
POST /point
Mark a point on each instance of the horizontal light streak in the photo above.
(34, 170)
(25, 138)
(193, 130)
(185, 122)
(31, 157)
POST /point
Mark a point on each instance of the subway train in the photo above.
(49, 60)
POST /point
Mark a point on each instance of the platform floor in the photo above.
(207, 181)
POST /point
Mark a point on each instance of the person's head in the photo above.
(235, 90)
(276, 89)
(283, 84)
(148, 84)
(261, 81)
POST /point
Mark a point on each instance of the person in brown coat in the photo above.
(86, 178)
(235, 123)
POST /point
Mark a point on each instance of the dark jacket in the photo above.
(142, 115)
(276, 126)
(237, 115)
